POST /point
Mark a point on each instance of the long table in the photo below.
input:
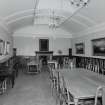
(81, 83)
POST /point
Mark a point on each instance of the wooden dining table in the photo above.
(81, 83)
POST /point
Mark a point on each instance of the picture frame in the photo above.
(43, 44)
(98, 47)
(80, 47)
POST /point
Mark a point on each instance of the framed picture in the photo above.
(98, 47)
(43, 44)
(79, 48)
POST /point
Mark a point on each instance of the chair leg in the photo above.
(1, 84)
(53, 86)
(4, 85)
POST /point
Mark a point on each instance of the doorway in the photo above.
(44, 60)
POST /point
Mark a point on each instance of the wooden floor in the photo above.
(29, 90)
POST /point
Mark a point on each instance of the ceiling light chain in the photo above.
(53, 20)
(35, 7)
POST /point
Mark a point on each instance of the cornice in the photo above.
(41, 35)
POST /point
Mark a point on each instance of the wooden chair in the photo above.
(66, 98)
(103, 71)
(3, 86)
(63, 96)
(100, 91)
(56, 64)
(97, 69)
(66, 62)
(53, 80)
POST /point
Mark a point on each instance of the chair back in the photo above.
(100, 91)
(62, 83)
(51, 73)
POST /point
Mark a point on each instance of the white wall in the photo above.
(86, 39)
(61, 44)
(42, 31)
(24, 45)
(26, 39)
(28, 45)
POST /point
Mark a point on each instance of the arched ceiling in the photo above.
(20, 13)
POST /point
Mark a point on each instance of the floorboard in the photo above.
(29, 90)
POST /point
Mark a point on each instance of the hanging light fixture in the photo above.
(36, 2)
(53, 20)
(79, 3)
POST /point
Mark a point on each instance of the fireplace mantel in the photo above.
(49, 54)
(44, 52)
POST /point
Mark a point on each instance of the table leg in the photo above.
(76, 101)
(28, 68)
(4, 85)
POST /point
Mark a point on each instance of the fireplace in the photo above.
(47, 54)
(44, 52)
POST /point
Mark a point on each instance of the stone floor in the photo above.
(29, 90)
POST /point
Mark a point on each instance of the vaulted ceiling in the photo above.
(20, 13)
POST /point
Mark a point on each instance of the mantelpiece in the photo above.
(49, 54)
